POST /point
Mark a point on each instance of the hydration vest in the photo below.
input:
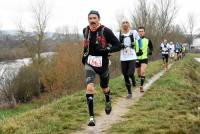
(122, 37)
(144, 48)
(100, 39)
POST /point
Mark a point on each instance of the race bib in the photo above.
(95, 61)
(127, 51)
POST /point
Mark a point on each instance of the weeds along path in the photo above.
(120, 108)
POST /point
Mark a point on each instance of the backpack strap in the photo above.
(87, 33)
(121, 37)
(100, 33)
(131, 37)
(102, 30)
(86, 38)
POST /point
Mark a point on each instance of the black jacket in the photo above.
(93, 47)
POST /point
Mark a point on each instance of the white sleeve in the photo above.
(135, 35)
(168, 45)
(117, 35)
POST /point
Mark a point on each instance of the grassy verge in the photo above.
(171, 105)
(24, 107)
(66, 114)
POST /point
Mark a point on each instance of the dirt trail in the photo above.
(198, 59)
(120, 108)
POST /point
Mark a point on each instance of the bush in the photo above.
(60, 75)
(26, 84)
(65, 70)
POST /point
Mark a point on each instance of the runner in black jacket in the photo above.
(99, 41)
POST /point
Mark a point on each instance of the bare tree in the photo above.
(190, 30)
(65, 34)
(34, 41)
(167, 10)
(7, 98)
(41, 16)
(157, 18)
(27, 41)
(145, 15)
(141, 13)
(176, 33)
(75, 34)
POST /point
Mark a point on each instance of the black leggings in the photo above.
(128, 70)
(165, 58)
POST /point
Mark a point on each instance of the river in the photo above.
(10, 68)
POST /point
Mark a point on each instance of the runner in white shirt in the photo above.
(128, 55)
(165, 49)
(172, 49)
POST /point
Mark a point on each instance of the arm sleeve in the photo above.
(112, 39)
(161, 47)
(117, 35)
(84, 49)
(169, 47)
(137, 37)
(150, 45)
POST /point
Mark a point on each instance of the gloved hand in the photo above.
(139, 53)
(84, 58)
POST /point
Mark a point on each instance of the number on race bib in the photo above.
(95, 61)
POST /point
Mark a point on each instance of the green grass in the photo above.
(5, 113)
(64, 115)
(21, 108)
(170, 106)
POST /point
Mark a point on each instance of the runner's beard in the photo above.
(93, 26)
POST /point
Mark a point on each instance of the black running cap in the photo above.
(94, 12)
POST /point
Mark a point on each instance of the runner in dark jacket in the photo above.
(99, 41)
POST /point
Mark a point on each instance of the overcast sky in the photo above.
(74, 12)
